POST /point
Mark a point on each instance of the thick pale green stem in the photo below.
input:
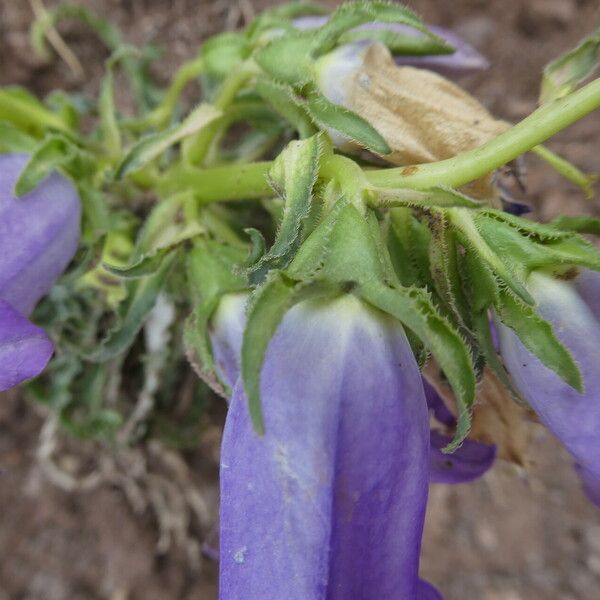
(231, 182)
(535, 129)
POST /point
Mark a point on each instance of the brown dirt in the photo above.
(506, 537)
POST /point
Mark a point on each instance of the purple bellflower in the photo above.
(39, 234)
(329, 504)
(573, 309)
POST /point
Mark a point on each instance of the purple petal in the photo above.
(329, 503)
(467, 463)
(435, 403)
(39, 234)
(428, 592)
(572, 417)
(24, 348)
(226, 333)
(463, 61)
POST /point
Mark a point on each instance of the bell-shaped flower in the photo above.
(39, 234)
(329, 503)
(573, 308)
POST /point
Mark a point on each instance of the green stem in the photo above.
(196, 148)
(567, 170)
(249, 181)
(230, 182)
(531, 131)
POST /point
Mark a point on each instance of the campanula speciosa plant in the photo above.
(324, 239)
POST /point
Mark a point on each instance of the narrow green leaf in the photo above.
(580, 224)
(352, 14)
(55, 151)
(147, 265)
(441, 197)
(141, 300)
(400, 43)
(111, 134)
(152, 146)
(538, 337)
(326, 114)
(443, 261)
(267, 308)
(464, 223)
(292, 177)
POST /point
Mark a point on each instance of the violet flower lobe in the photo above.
(39, 234)
(573, 417)
(329, 504)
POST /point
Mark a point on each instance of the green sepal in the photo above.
(268, 306)
(326, 114)
(444, 267)
(538, 337)
(408, 242)
(212, 272)
(258, 247)
(292, 177)
(400, 44)
(352, 14)
(414, 309)
(566, 249)
(441, 197)
(132, 313)
(481, 326)
(152, 146)
(466, 226)
(563, 75)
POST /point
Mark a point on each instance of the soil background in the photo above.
(510, 536)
